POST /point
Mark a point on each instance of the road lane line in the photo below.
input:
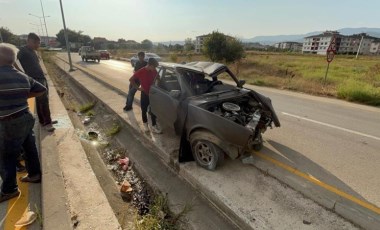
(333, 126)
(320, 183)
(16, 207)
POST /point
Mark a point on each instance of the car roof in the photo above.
(204, 67)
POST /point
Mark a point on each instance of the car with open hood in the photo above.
(213, 117)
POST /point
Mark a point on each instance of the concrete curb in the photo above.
(59, 204)
(146, 165)
(346, 208)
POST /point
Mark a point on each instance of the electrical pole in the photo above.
(66, 37)
(360, 45)
(43, 15)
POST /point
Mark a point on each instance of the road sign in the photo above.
(331, 51)
(330, 56)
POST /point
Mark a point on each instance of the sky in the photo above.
(176, 20)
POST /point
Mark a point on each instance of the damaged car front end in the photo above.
(212, 117)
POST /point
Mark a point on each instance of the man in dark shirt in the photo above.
(146, 77)
(16, 123)
(30, 62)
(132, 90)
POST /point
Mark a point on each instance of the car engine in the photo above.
(246, 112)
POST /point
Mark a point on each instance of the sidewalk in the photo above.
(241, 191)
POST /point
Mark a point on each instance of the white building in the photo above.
(293, 46)
(199, 40)
(318, 44)
(375, 47)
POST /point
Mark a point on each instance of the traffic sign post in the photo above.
(330, 53)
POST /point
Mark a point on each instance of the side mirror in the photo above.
(175, 93)
(241, 83)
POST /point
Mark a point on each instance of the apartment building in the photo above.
(318, 44)
(199, 40)
(375, 47)
(293, 46)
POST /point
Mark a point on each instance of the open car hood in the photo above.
(209, 68)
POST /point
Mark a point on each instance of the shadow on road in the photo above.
(298, 161)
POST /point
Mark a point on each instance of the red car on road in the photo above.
(104, 54)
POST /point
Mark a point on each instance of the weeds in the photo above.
(86, 107)
(90, 113)
(160, 216)
(39, 215)
(113, 130)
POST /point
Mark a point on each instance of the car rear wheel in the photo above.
(207, 154)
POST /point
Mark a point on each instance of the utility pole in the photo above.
(360, 45)
(43, 15)
(66, 37)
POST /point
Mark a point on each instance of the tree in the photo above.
(146, 44)
(73, 36)
(8, 37)
(189, 45)
(219, 47)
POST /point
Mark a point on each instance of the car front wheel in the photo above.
(207, 154)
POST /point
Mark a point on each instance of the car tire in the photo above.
(260, 145)
(86, 60)
(207, 154)
(82, 58)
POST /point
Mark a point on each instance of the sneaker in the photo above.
(49, 128)
(19, 167)
(8, 196)
(31, 179)
(145, 127)
(156, 129)
(127, 108)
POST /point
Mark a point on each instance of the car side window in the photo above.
(168, 80)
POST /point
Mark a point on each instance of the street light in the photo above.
(38, 27)
(43, 15)
(66, 37)
(42, 28)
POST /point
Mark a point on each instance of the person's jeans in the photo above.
(131, 95)
(144, 109)
(14, 134)
(42, 104)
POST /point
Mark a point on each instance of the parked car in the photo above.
(89, 53)
(213, 118)
(104, 54)
(134, 59)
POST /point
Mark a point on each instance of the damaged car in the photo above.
(209, 109)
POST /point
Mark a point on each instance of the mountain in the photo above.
(170, 43)
(269, 40)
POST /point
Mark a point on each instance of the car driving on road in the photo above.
(213, 118)
(134, 59)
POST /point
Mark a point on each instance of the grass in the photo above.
(113, 130)
(160, 217)
(86, 107)
(348, 78)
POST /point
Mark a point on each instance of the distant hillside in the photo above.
(170, 43)
(269, 40)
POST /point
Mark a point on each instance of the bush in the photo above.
(353, 90)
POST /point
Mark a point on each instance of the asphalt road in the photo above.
(334, 141)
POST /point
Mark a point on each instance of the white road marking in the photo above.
(333, 126)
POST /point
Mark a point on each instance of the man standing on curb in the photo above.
(132, 90)
(146, 77)
(16, 123)
(30, 62)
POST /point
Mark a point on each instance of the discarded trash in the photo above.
(248, 160)
(92, 135)
(86, 120)
(126, 191)
(307, 222)
(124, 162)
(27, 218)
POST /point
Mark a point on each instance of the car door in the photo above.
(164, 96)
